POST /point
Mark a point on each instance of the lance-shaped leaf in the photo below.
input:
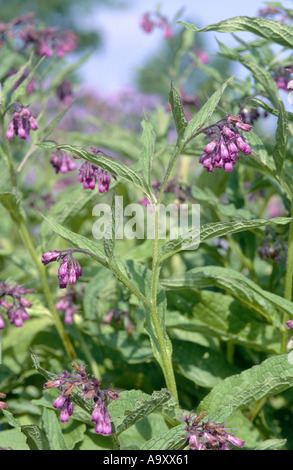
(133, 407)
(79, 241)
(179, 116)
(119, 169)
(204, 114)
(271, 30)
(148, 141)
(248, 292)
(271, 377)
(43, 133)
(279, 151)
(192, 239)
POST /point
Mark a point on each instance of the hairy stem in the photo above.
(288, 282)
(167, 366)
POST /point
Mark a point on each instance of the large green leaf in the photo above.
(279, 151)
(222, 316)
(193, 238)
(178, 112)
(271, 377)
(204, 114)
(250, 294)
(148, 141)
(271, 30)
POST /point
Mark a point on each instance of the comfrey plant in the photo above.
(200, 319)
(90, 389)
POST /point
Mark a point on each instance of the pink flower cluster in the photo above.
(152, 20)
(62, 162)
(69, 270)
(48, 40)
(90, 174)
(205, 435)
(16, 311)
(90, 389)
(66, 305)
(45, 41)
(222, 151)
(21, 123)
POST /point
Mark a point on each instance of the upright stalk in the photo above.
(167, 366)
(288, 281)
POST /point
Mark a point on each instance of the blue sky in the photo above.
(126, 46)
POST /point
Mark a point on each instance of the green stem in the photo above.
(288, 282)
(166, 364)
(46, 289)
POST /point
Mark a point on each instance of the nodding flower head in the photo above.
(21, 124)
(222, 151)
(151, 20)
(205, 435)
(62, 162)
(90, 174)
(87, 387)
(69, 270)
(13, 304)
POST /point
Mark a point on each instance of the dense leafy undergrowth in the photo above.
(113, 336)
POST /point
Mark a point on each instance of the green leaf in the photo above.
(12, 202)
(193, 238)
(110, 233)
(221, 316)
(36, 437)
(265, 303)
(204, 114)
(119, 169)
(13, 79)
(271, 30)
(79, 241)
(167, 440)
(132, 411)
(42, 134)
(272, 444)
(179, 116)
(148, 141)
(269, 378)
(18, 93)
(279, 151)
(72, 202)
(204, 366)
(53, 430)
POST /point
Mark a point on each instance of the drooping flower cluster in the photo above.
(62, 162)
(272, 247)
(88, 388)
(3, 405)
(68, 306)
(16, 311)
(90, 174)
(48, 40)
(119, 318)
(222, 151)
(45, 41)
(21, 124)
(151, 20)
(282, 77)
(69, 270)
(205, 435)
(64, 92)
